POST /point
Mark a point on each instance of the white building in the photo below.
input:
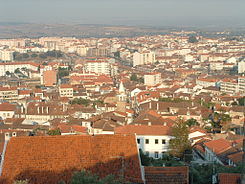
(6, 55)
(152, 140)
(152, 79)
(11, 67)
(145, 57)
(241, 67)
(241, 84)
(100, 67)
(229, 86)
(216, 66)
(66, 90)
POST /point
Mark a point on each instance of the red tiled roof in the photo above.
(143, 130)
(65, 128)
(236, 157)
(51, 159)
(167, 175)
(7, 107)
(230, 178)
(218, 146)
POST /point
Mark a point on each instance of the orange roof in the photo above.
(143, 130)
(7, 107)
(167, 175)
(236, 157)
(230, 178)
(50, 159)
(65, 128)
(218, 146)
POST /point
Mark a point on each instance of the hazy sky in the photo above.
(125, 12)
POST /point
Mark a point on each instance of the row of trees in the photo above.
(23, 56)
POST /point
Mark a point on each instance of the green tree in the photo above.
(25, 55)
(241, 101)
(34, 55)
(180, 143)
(17, 70)
(192, 122)
(54, 132)
(62, 72)
(192, 39)
(81, 101)
(145, 159)
(133, 77)
(7, 73)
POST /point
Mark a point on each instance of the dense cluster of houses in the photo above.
(171, 79)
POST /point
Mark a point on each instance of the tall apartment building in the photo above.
(241, 67)
(142, 58)
(229, 86)
(97, 52)
(152, 79)
(100, 67)
(241, 84)
(6, 55)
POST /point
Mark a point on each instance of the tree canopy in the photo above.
(180, 143)
(192, 39)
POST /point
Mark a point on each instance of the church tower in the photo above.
(121, 98)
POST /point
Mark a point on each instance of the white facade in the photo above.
(152, 79)
(100, 67)
(6, 55)
(241, 67)
(66, 92)
(153, 145)
(241, 85)
(229, 87)
(216, 66)
(6, 114)
(11, 67)
(141, 58)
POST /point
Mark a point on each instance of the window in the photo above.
(138, 141)
(156, 141)
(156, 154)
(163, 141)
(147, 153)
(14, 134)
(147, 141)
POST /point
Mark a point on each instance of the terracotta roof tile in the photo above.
(143, 130)
(53, 158)
(229, 178)
(167, 175)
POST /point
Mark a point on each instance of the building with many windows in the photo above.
(152, 79)
(142, 58)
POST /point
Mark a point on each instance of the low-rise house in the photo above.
(152, 140)
(7, 110)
